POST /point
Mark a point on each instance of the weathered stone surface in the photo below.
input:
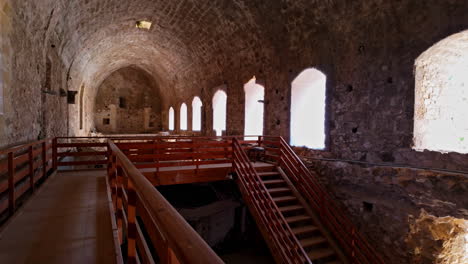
(130, 100)
(367, 50)
(441, 240)
(383, 201)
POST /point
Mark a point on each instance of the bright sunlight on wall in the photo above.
(196, 113)
(441, 99)
(171, 118)
(219, 112)
(254, 95)
(308, 109)
(183, 117)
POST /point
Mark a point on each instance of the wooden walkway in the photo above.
(66, 221)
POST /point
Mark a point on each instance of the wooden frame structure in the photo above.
(149, 228)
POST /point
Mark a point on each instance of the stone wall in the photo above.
(387, 203)
(367, 50)
(129, 98)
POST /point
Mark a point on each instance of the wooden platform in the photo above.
(67, 221)
(189, 174)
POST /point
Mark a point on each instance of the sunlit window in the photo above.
(254, 95)
(196, 113)
(308, 109)
(441, 96)
(171, 118)
(219, 112)
(143, 24)
(183, 117)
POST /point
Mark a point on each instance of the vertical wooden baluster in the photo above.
(109, 164)
(113, 179)
(157, 154)
(44, 159)
(353, 245)
(119, 203)
(259, 141)
(54, 154)
(11, 183)
(195, 154)
(171, 257)
(31, 168)
(131, 220)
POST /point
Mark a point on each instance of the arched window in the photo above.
(171, 118)
(308, 109)
(183, 117)
(441, 96)
(254, 95)
(219, 112)
(196, 113)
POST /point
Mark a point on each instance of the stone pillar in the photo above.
(235, 108)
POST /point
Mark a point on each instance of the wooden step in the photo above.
(267, 174)
(304, 229)
(279, 190)
(290, 208)
(268, 182)
(320, 253)
(297, 218)
(312, 241)
(284, 199)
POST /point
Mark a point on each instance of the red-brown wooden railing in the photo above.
(352, 242)
(280, 238)
(21, 167)
(132, 194)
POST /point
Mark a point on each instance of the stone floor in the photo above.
(67, 221)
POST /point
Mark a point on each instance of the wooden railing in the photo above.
(283, 244)
(21, 167)
(172, 237)
(337, 221)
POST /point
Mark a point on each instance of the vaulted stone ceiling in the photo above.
(95, 38)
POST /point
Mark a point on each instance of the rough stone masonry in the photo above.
(367, 50)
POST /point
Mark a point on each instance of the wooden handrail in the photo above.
(357, 248)
(284, 245)
(181, 238)
(22, 165)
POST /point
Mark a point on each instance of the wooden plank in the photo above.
(11, 184)
(187, 176)
(3, 205)
(77, 163)
(21, 174)
(21, 159)
(82, 154)
(80, 145)
(3, 166)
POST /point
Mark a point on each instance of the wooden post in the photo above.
(54, 154)
(44, 159)
(11, 183)
(353, 245)
(31, 168)
(171, 258)
(131, 221)
(113, 179)
(119, 203)
(157, 155)
(195, 156)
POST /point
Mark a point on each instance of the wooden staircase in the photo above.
(307, 231)
(299, 220)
